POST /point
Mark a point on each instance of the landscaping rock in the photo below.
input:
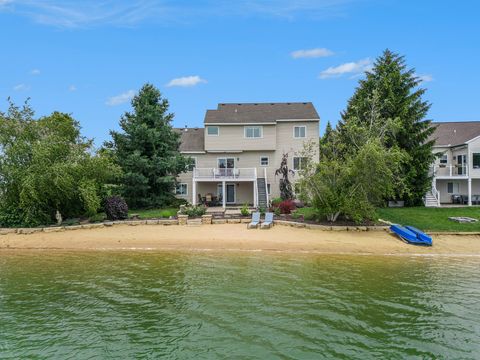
(108, 223)
(168, 222)
(319, 227)
(53, 229)
(339, 228)
(135, 222)
(378, 228)
(152, 222)
(207, 219)
(5, 231)
(233, 221)
(246, 221)
(219, 221)
(73, 227)
(26, 231)
(182, 219)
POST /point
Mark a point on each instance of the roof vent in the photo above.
(236, 110)
(454, 131)
(186, 128)
(289, 103)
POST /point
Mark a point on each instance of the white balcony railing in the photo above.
(450, 170)
(225, 174)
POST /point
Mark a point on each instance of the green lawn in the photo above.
(431, 219)
(154, 213)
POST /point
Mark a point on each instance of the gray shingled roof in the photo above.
(455, 133)
(260, 112)
(192, 139)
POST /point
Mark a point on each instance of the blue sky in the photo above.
(88, 57)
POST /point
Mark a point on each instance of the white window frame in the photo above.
(253, 127)
(179, 186)
(268, 161)
(194, 165)
(298, 127)
(216, 127)
(453, 187)
(443, 160)
(293, 162)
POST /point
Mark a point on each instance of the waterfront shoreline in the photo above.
(236, 237)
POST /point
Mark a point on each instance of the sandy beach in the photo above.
(234, 237)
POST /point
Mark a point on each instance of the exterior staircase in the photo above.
(430, 200)
(262, 193)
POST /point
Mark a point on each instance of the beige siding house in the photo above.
(239, 149)
(456, 171)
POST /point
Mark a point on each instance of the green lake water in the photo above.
(125, 305)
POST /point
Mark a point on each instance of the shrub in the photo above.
(276, 211)
(261, 210)
(287, 206)
(276, 201)
(295, 215)
(244, 210)
(194, 211)
(116, 208)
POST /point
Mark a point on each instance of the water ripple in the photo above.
(256, 306)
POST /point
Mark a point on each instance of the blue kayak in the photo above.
(411, 235)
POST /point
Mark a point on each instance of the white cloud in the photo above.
(186, 81)
(121, 99)
(21, 87)
(35, 72)
(72, 88)
(354, 68)
(86, 13)
(424, 77)
(311, 53)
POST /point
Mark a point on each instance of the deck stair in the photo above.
(430, 200)
(262, 193)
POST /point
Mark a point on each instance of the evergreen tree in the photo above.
(401, 102)
(148, 151)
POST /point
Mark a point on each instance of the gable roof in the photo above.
(248, 113)
(455, 133)
(191, 139)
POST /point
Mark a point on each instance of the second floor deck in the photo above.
(220, 174)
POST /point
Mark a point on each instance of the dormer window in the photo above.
(299, 132)
(253, 132)
(213, 130)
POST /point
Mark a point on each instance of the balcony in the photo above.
(222, 174)
(446, 171)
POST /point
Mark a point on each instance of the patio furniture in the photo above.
(255, 221)
(476, 199)
(267, 224)
(464, 199)
(456, 199)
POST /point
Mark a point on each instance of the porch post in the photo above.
(469, 191)
(224, 197)
(194, 192)
(255, 199)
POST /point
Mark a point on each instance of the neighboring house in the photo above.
(237, 152)
(456, 172)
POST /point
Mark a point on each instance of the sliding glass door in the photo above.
(226, 166)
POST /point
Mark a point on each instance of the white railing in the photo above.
(225, 173)
(436, 194)
(266, 184)
(450, 170)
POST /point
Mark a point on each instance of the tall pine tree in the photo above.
(148, 151)
(400, 96)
